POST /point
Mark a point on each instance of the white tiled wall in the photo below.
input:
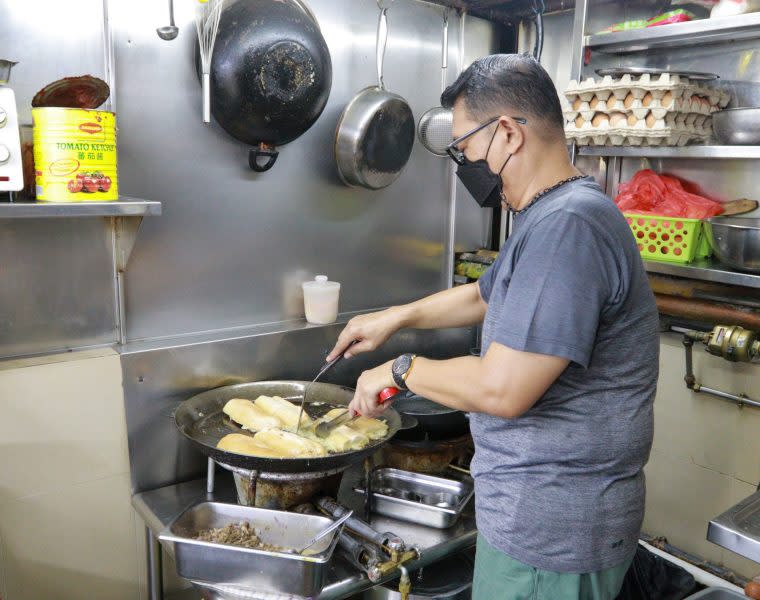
(706, 454)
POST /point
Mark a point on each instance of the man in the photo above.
(560, 401)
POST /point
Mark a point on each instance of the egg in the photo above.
(577, 104)
(647, 99)
(667, 99)
(617, 119)
(629, 100)
(650, 120)
(752, 589)
(600, 120)
(632, 120)
(579, 121)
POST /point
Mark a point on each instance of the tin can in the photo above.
(75, 155)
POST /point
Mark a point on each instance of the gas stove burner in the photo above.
(428, 455)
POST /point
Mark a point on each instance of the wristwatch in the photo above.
(400, 369)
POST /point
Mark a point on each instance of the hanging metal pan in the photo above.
(375, 133)
(201, 420)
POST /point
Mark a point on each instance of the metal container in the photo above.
(735, 241)
(271, 572)
(422, 499)
(448, 579)
(737, 126)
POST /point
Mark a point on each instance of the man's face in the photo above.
(475, 147)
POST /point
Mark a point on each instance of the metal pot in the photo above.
(735, 241)
(448, 579)
(737, 126)
(271, 74)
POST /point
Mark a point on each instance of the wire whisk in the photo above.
(206, 25)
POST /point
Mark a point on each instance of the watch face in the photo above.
(401, 364)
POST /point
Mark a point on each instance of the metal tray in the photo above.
(423, 499)
(620, 71)
(275, 572)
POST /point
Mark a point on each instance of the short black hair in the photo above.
(514, 84)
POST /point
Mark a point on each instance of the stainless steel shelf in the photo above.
(692, 33)
(725, 152)
(704, 270)
(124, 207)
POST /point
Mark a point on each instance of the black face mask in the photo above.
(484, 185)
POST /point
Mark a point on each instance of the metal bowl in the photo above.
(737, 126)
(735, 241)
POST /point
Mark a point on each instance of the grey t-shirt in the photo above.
(562, 487)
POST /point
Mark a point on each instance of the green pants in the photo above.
(501, 577)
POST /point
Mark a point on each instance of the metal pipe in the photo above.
(210, 476)
(155, 567)
(701, 311)
(695, 386)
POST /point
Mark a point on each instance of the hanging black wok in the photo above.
(270, 74)
(201, 420)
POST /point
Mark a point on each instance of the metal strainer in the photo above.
(434, 127)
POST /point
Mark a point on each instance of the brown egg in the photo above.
(600, 119)
(650, 120)
(594, 102)
(579, 121)
(632, 120)
(617, 119)
(629, 99)
(647, 99)
(752, 589)
(667, 99)
(577, 104)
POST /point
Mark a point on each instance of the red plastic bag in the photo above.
(648, 193)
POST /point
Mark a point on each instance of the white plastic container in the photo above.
(320, 300)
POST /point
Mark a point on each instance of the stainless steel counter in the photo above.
(738, 529)
(159, 507)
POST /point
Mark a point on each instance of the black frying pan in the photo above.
(440, 421)
(201, 420)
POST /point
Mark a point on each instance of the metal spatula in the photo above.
(322, 371)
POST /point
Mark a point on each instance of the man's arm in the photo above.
(504, 383)
(456, 307)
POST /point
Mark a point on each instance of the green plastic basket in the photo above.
(669, 239)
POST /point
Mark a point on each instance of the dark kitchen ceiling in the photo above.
(505, 11)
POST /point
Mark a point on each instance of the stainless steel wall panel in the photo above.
(156, 381)
(50, 39)
(55, 289)
(230, 242)
(56, 276)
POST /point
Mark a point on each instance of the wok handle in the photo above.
(262, 152)
(382, 40)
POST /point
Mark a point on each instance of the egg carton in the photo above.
(640, 107)
(664, 93)
(690, 122)
(630, 137)
(628, 130)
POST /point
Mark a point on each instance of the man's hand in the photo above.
(370, 330)
(368, 387)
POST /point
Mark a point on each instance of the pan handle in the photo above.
(262, 151)
(382, 40)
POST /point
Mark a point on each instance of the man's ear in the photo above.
(512, 134)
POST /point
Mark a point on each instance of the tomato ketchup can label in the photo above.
(75, 155)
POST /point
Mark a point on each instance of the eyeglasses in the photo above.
(457, 155)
